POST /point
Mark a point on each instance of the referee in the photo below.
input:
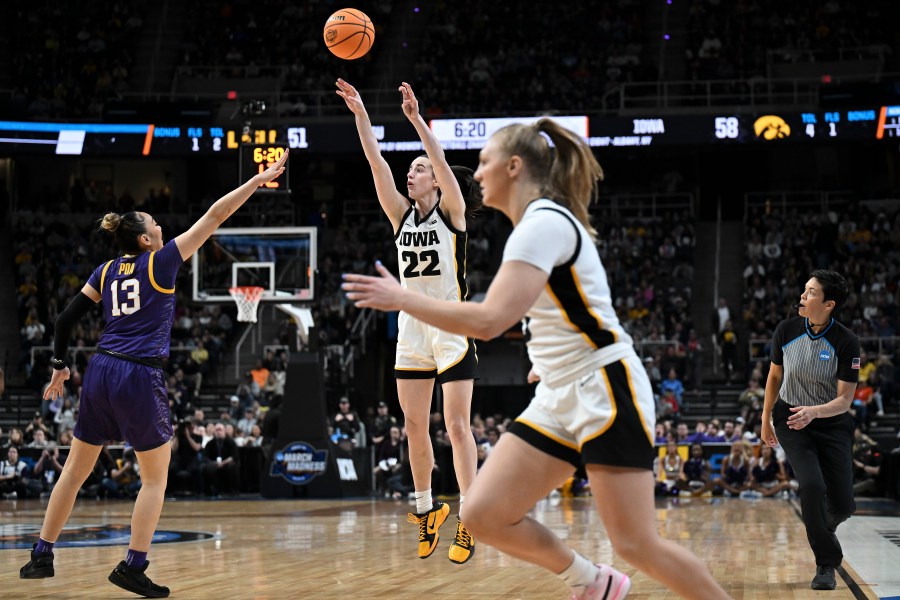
(815, 366)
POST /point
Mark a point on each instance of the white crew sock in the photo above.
(423, 501)
(580, 574)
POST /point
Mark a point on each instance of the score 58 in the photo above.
(727, 127)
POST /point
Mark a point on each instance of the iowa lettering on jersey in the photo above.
(419, 238)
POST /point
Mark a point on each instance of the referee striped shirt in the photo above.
(814, 362)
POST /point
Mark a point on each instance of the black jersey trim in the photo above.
(566, 291)
(571, 221)
(402, 221)
(427, 215)
(449, 225)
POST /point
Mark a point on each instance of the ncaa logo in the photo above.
(824, 355)
(299, 463)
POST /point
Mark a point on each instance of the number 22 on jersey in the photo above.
(428, 258)
(132, 301)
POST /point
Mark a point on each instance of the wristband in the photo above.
(58, 364)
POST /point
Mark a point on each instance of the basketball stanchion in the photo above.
(247, 299)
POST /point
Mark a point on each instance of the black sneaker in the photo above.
(133, 579)
(40, 566)
(824, 579)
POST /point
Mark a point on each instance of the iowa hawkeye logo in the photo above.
(771, 127)
(19, 537)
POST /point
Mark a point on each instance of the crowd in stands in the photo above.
(731, 40)
(649, 266)
(486, 57)
(474, 57)
(32, 463)
(274, 39)
(65, 64)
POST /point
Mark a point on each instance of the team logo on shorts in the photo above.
(824, 355)
(299, 463)
(18, 537)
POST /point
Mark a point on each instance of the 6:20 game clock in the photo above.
(256, 158)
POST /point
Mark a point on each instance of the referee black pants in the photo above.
(821, 457)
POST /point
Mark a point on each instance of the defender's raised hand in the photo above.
(273, 171)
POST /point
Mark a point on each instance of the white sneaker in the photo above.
(609, 584)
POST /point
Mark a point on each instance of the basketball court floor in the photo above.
(343, 549)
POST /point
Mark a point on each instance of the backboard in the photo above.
(281, 260)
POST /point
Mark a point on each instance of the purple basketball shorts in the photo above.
(123, 401)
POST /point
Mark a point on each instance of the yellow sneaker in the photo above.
(463, 547)
(429, 523)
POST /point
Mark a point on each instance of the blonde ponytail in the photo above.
(574, 172)
(568, 173)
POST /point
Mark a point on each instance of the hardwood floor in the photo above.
(346, 549)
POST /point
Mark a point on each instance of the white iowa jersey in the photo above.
(432, 255)
(572, 326)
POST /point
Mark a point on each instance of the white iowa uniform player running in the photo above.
(594, 398)
(432, 258)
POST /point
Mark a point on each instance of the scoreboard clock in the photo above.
(256, 158)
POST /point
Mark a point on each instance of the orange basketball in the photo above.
(349, 33)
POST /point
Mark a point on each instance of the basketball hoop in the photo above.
(247, 299)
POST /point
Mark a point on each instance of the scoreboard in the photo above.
(680, 130)
(888, 122)
(396, 135)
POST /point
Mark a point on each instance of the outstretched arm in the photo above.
(513, 291)
(451, 196)
(191, 240)
(392, 202)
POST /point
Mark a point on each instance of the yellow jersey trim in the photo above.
(615, 409)
(103, 276)
(153, 279)
(637, 405)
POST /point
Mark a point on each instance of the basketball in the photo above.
(349, 33)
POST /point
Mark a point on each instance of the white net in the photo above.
(247, 300)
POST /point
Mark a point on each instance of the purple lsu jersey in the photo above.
(138, 294)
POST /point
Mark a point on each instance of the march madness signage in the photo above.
(299, 463)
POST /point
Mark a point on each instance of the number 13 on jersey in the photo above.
(132, 302)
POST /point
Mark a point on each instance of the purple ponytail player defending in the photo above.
(124, 391)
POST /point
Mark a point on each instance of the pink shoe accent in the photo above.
(609, 584)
